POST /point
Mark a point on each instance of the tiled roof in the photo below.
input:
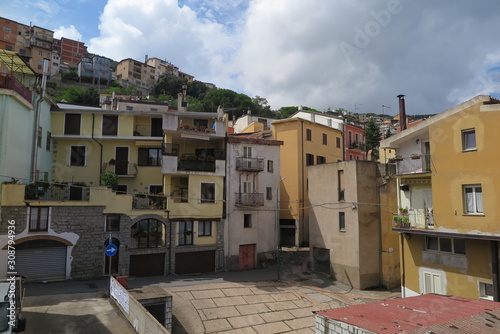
(428, 313)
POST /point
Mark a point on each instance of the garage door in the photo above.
(41, 263)
(195, 262)
(147, 265)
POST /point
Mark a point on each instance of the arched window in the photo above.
(148, 233)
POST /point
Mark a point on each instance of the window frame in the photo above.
(147, 156)
(308, 135)
(111, 129)
(320, 160)
(72, 160)
(309, 159)
(338, 144)
(151, 242)
(205, 231)
(270, 166)
(466, 147)
(475, 210)
(68, 128)
(48, 141)
(184, 239)
(108, 223)
(269, 193)
(342, 221)
(39, 216)
(439, 247)
(203, 197)
(247, 220)
(325, 139)
(482, 290)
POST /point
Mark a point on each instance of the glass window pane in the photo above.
(432, 243)
(445, 245)
(479, 199)
(459, 246)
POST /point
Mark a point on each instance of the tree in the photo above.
(372, 137)
(169, 84)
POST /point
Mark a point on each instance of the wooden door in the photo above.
(247, 256)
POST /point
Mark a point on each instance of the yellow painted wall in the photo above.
(293, 189)
(464, 283)
(453, 168)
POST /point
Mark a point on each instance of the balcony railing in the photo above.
(250, 164)
(250, 199)
(412, 165)
(43, 191)
(10, 82)
(123, 169)
(412, 219)
(149, 202)
(192, 162)
(356, 146)
(148, 131)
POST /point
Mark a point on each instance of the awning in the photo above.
(14, 63)
(148, 143)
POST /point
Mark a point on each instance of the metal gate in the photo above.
(42, 264)
(147, 265)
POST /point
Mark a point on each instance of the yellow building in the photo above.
(133, 72)
(306, 143)
(448, 229)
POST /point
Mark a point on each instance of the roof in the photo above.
(423, 126)
(429, 313)
(254, 138)
(298, 119)
(14, 63)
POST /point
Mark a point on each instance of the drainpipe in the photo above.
(100, 159)
(36, 125)
(403, 280)
(494, 270)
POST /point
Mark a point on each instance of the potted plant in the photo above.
(403, 211)
(112, 162)
(398, 158)
(415, 156)
(210, 158)
(140, 195)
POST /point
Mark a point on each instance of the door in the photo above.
(156, 127)
(121, 157)
(247, 256)
(147, 265)
(41, 260)
(321, 259)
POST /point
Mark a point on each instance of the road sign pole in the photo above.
(109, 261)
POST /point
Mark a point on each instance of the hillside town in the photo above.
(137, 187)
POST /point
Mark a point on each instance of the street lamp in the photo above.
(278, 229)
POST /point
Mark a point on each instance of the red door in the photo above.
(247, 256)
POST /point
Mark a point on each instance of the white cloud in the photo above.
(68, 32)
(314, 52)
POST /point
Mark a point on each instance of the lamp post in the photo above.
(278, 264)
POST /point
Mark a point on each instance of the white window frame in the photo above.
(465, 140)
(38, 208)
(204, 200)
(482, 290)
(432, 289)
(473, 208)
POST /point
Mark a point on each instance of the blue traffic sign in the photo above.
(111, 250)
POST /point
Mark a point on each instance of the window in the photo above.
(156, 127)
(468, 140)
(39, 219)
(39, 135)
(110, 125)
(150, 157)
(185, 233)
(473, 199)
(48, 142)
(269, 193)
(270, 166)
(486, 290)
(122, 189)
(72, 124)
(320, 160)
(8, 47)
(77, 157)
(342, 221)
(350, 156)
(112, 223)
(247, 152)
(445, 245)
(129, 108)
(337, 142)
(184, 195)
(325, 139)
(432, 283)
(208, 193)
(148, 233)
(40, 53)
(6, 29)
(309, 159)
(340, 180)
(247, 220)
(308, 135)
(204, 228)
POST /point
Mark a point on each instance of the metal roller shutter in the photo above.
(195, 262)
(42, 264)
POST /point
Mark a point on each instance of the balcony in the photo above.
(191, 162)
(10, 82)
(149, 202)
(249, 199)
(250, 164)
(148, 131)
(412, 219)
(44, 191)
(356, 146)
(123, 169)
(412, 165)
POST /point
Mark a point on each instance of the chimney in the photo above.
(402, 113)
(146, 59)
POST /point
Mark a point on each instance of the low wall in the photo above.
(142, 321)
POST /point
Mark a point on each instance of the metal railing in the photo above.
(44, 192)
(355, 145)
(149, 202)
(249, 199)
(412, 219)
(10, 82)
(148, 131)
(412, 165)
(250, 164)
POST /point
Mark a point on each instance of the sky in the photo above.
(351, 54)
